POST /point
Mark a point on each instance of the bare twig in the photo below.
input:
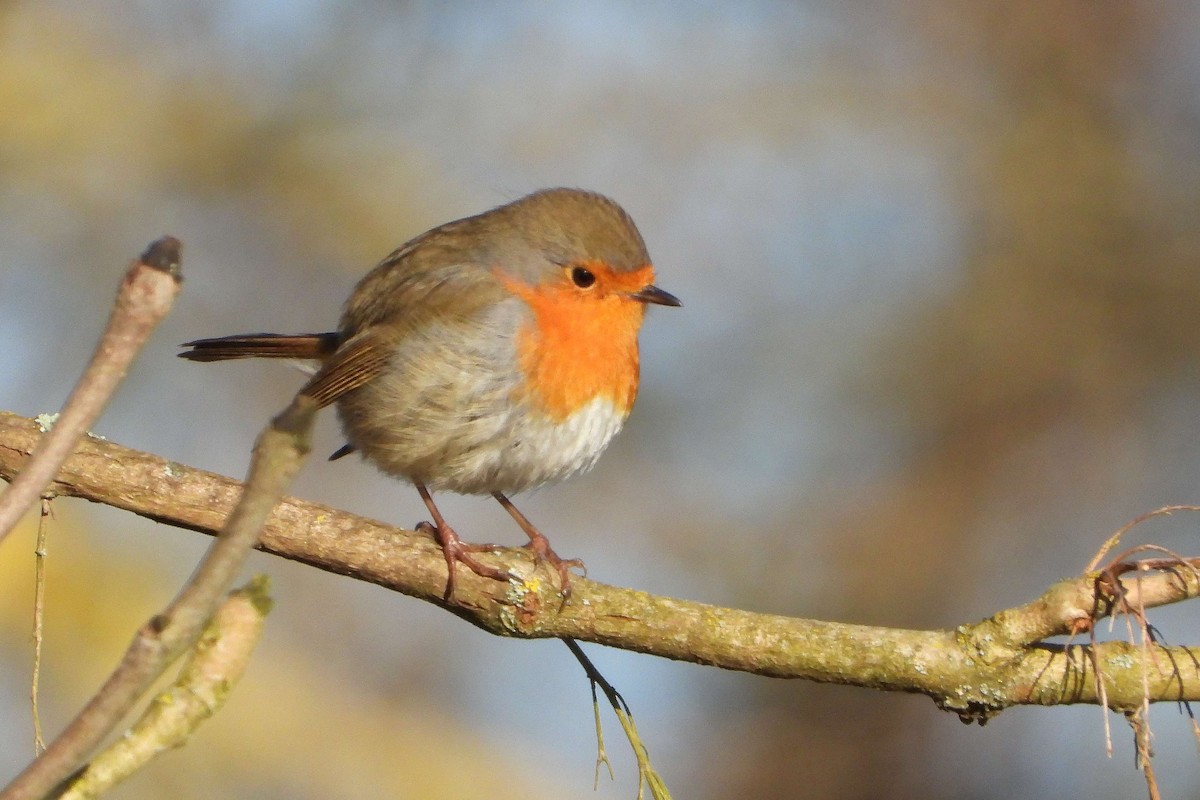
(647, 776)
(1112, 541)
(145, 297)
(1114, 597)
(601, 754)
(216, 665)
(39, 617)
(1145, 753)
(278, 454)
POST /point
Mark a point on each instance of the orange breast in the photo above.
(580, 346)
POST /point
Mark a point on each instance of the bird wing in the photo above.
(354, 363)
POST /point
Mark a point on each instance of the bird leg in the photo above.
(455, 549)
(540, 545)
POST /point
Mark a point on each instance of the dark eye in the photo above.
(583, 278)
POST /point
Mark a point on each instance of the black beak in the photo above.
(653, 294)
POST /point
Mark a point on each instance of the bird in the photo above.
(490, 355)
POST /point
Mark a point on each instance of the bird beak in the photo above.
(653, 294)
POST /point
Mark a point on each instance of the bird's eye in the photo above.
(583, 278)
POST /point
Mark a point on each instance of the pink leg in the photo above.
(455, 549)
(540, 545)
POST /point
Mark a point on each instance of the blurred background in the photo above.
(939, 340)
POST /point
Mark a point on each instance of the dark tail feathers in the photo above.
(262, 345)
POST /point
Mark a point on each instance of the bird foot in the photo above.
(539, 545)
(543, 553)
(455, 550)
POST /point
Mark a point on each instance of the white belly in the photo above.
(535, 450)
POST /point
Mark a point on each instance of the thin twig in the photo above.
(1144, 750)
(39, 618)
(146, 295)
(278, 454)
(647, 776)
(1111, 542)
(601, 753)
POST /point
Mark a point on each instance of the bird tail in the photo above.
(262, 345)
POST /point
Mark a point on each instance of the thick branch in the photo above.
(973, 670)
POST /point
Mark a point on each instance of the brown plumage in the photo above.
(489, 355)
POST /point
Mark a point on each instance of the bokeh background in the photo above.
(940, 339)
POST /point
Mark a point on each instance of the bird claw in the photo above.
(455, 550)
(543, 553)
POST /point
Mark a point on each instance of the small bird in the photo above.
(490, 355)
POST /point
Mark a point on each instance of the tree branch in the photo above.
(214, 668)
(144, 298)
(974, 670)
(278, 454)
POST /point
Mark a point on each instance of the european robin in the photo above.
(490, 355)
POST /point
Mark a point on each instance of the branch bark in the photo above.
(146, 294)
(974, 670)
(278, 453)
(215, 666)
